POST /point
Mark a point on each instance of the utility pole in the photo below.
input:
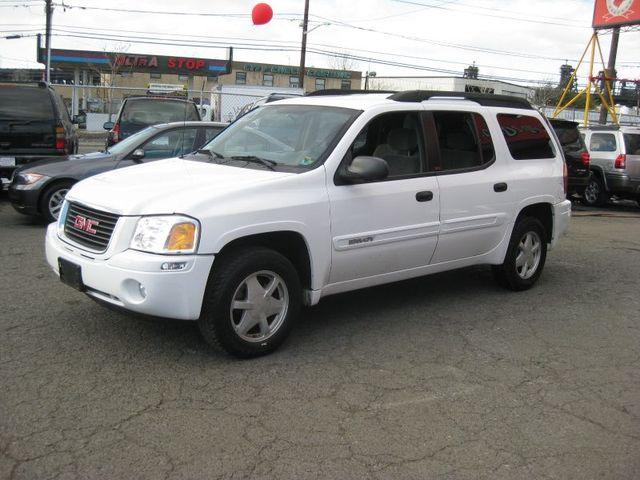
(303, 52)
(610, 72)
(49, 13)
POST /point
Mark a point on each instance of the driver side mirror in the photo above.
(137, 155)
(108, 125)
(365, 169)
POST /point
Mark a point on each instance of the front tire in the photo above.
(525, 257)
(252, 300)
(52, 200)
(595, 194)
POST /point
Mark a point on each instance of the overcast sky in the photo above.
(506, 38)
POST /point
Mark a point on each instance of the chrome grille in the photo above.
(98, 241)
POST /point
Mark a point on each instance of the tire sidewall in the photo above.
(601, 197)
(215, 321)
(524, 226)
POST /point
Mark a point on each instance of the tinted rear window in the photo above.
(632, 143)
(569, 137)
(526, 137)
(152, 112)
(25, 103)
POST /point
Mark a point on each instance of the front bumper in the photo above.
(117, 279)
(24, 201)
(561, 219)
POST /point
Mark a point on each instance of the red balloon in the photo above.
(261, 14)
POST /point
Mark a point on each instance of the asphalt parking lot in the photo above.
(445, 377)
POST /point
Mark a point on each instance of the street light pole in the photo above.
(49, 13)
(303, 52)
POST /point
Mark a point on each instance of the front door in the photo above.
(391, 225)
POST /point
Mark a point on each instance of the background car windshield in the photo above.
(154, 111)
(292, 135)
(130, 142)
(25, 103)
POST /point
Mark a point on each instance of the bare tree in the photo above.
(110, 73)
(546, 95)
(343, 61)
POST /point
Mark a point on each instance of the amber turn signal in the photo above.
(181, 237)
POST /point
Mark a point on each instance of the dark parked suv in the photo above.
(138, 113)
(575, 153)
(34, 124)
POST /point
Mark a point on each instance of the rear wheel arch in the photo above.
(290, 244)
(543, 212)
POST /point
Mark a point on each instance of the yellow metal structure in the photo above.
(606, 96)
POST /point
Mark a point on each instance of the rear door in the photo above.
(27, 121)
(476, 193)
(604, 149)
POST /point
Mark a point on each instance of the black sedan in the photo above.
(40, 187)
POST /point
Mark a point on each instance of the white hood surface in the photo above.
(167, 186)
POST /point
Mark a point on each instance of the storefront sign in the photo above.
(285, 70)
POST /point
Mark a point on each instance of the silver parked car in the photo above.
(615, 163)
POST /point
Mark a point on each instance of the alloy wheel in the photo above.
(529, 254)
(56, 200)
(259, 306)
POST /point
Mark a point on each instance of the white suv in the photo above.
(312, 196)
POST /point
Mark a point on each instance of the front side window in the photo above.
(169, 144)
(267, 80)
(396, 138)
(602, 142)
(526, 137)
(211, 132)
(464, 141)
(290, 135)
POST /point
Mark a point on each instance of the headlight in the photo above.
(29, 180)
(169, 234)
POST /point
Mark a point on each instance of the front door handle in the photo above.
(425, 196)
(500, 187)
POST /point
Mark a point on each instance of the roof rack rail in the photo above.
(485, 99)
(335, 91)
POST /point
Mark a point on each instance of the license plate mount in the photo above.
(71, 274)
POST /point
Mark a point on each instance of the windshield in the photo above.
(289, 135)
(131, 142)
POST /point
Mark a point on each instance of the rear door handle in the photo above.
(425, 196)
(500, 187)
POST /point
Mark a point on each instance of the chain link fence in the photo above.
(102, 103)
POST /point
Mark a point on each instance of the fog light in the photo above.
(143, 291)
(173, 266)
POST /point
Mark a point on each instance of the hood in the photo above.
(168, 186)
(75, 166)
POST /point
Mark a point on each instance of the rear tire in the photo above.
(595, 194)
(252, 300)
(525, 258)
(52, 199)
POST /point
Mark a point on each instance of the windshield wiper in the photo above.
(211, 153)
(253, 159)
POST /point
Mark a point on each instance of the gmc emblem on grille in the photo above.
(85, 224)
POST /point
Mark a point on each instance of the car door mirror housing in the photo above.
(138, 154)
(108, 125)
(365, 169)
